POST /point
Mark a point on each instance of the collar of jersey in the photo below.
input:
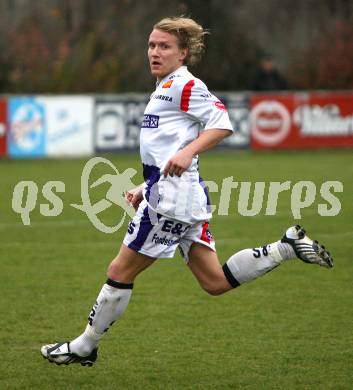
(181, 68)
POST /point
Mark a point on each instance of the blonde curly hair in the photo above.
(189, 33)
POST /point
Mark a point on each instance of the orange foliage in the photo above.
(328, 63)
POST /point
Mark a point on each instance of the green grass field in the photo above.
(291, 329)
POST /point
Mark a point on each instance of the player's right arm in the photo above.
(135, 196)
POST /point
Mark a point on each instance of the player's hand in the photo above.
(178, 164)
(134, 196)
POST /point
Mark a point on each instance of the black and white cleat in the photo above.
(60, 354)
(306, 249)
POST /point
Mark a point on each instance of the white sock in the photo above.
(249, 264)
(286, 250)
(110, 305)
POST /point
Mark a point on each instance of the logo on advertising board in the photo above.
(26, 128)
(118, 122)
(327, 120)
(302, 120)
(69, 125)
(270, 122)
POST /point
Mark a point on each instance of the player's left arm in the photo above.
(181, 161)
(201, 106)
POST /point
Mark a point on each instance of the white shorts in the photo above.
(161, 238)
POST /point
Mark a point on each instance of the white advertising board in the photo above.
(69, 121)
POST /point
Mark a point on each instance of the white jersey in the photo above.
(178, 110)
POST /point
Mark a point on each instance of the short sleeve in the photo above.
(203, 106)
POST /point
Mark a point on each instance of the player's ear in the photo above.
(183, 53)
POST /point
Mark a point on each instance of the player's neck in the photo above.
(160, 78)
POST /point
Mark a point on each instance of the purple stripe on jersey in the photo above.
(143, 232)
(151, 174)
(205, 190)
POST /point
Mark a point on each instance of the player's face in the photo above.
(164, 53)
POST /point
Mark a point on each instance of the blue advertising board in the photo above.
(27, 127)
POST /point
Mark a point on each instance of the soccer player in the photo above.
(172, 205)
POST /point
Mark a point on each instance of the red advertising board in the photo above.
(302, 120)
(3, 126)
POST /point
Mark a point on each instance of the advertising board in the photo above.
(302, 120)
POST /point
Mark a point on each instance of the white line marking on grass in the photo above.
(68, 222)
(77, 244)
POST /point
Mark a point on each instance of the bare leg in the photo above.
(244, 266)
(204, 264)
(127, 265)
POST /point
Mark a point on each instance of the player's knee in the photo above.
(112, 269)
(213, 289)
(125, 269)
(117, 272)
